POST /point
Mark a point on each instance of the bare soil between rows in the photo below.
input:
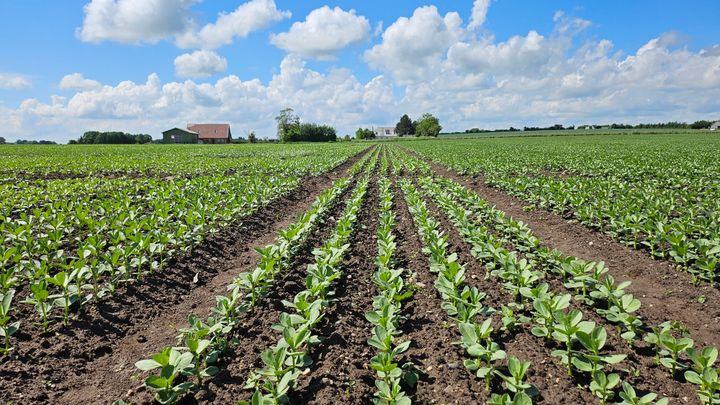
(92, 360)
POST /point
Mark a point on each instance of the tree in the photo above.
(2, 140)
(347, 138)
(364, 133)
(428, 125)
(96, 137)
(405, 126)
(287, 124)
(251, 137)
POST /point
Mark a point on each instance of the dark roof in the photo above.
(211, 131)
(180, 129)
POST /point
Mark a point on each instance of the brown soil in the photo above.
(665, 292)
(93, 359)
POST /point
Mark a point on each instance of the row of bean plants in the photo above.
(387, 309)
(594, 287)
(642, 190)
(205, 342)
(463, 304)
(284, 361)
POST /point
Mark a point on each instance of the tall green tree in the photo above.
(428, 125)
(405, 126)
(288, 124)
(2, 140)
(364, 133)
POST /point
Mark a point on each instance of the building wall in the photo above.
(385, 131)
(179, 136)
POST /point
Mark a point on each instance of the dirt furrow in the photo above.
(92, 359)
(665, 292)
(443, 378)
(340, 371)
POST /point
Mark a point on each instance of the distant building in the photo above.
(211, 133)
(179, 135)
(384, 131)
(199, 133)
(715, 126)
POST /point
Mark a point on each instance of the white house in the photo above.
(384, 131)
(715, 126)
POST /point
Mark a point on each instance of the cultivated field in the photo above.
(555, 270)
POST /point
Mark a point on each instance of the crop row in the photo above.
(643, 192)
(284, 361)
(549, 316)
(387, 309)
(206, 342)
(77, 250)
(463, 305)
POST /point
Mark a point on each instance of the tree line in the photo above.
(290, 129)
(114, 137)
(24, 142)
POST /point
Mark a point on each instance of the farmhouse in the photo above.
(211, 133)
(715, 126)
(199, 133)
(179, 135)
(384, 131)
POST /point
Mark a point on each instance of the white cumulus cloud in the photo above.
(248, 17)
(478, 13)
(201, 63)
(324, 33)
(412, 48)
(76, 81)
(13, 81)
(134, 21)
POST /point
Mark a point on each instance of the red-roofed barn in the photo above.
(211, 133)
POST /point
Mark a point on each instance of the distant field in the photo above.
(576, 132)
(442, 270)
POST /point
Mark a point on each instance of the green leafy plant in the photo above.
(602, 385)
(7, 329)
(172, 364)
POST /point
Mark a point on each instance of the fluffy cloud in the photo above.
(248, 17)
(412, 48)
(202, 63)
(324, 32)
(478, 13)
(336, 97)
(134, 21)
(426, 63)
(12, 81)
(76, 81)
(149, 21)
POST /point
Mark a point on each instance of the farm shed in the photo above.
(211, 133)
(715, 126)
(179, 135)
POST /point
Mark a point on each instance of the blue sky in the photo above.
(519, 63)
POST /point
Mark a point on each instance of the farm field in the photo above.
(550, 270)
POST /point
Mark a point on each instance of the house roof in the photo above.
(180, 129)
(715, 125)
(211, 131)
